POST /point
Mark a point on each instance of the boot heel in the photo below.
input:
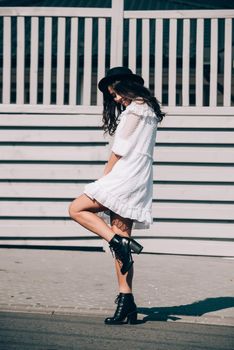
(132, 318)
(135, 246)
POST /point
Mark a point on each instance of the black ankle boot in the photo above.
(122, 248)
(126, 311)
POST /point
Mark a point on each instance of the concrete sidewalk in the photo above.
(166, 287)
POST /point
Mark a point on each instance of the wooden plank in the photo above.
(60, 73)
(66, 109)
(47, 61)
(56, 11)
(182, 192)
(159, 60)
(199, 110)
(68, 228)
(101, 55)
(198, 137)
(53, 109)
(95, 120)
(6, 74)
(100, 153)
(145, 51)
(227, 62)
(180, 14)
(34, 60)
(132, 45)
(51, 136)
(75, 243)
(87, 61)
(199, 62)
(117, 18)
(168, 137)
(172, 63)
(160, 210)
(186, 62)
(196, 122)
(73, 61)
(94, 171)
(213, 62)
(188, 247)
(178, 192)
(105, 12)
(52, 153)
(46, 120)
(44, 229)
(20, 69)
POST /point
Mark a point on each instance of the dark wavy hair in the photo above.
(131, 90)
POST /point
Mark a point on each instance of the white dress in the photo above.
(128, 188)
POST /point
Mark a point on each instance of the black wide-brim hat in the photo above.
(118, 73)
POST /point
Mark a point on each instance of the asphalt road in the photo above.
(23, 331)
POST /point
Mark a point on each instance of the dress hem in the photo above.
(141, 217)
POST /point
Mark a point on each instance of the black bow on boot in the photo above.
(122, 248)
(126, 311)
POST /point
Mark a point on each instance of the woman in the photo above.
(124, 192)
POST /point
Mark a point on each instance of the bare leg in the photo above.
(83, 210)
(123, 227)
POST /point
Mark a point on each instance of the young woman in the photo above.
(124, 192)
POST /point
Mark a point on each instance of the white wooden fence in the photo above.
(51, 142)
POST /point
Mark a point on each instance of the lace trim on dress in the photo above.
(142, 111)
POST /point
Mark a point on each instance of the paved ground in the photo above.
(27, 331)
(166, 287)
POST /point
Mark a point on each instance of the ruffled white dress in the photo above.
(128, 188)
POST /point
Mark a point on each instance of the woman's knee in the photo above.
(73, 210)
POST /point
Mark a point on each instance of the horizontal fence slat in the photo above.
(78, 153)
(92, 172)
(65, 228)
(51, 136)
(56, 11)
(48, 120)
(179, 121)
(198, 137)
(179, 192)
(69, 120)
(190, 247)
(180, 14)
(78, 109)
(161, 210)
(101, 153)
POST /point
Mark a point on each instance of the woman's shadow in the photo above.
(197, 308)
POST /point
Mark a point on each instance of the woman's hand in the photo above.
(111, 162)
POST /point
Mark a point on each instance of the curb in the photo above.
(73, 311)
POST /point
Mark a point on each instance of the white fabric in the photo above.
(128, 188)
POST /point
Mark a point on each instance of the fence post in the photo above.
(117, 33)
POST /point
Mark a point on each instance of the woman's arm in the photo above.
(111, 162)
